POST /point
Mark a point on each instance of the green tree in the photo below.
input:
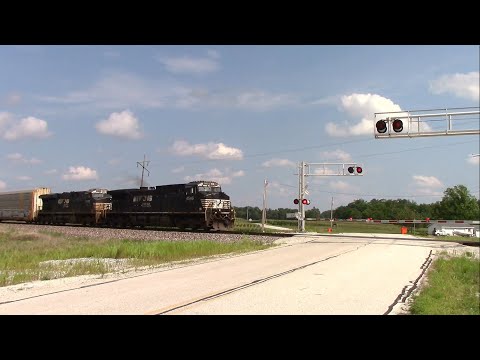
(457, 204)
(312, 213)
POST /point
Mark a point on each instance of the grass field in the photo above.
(26, 256)
(318, 226)
(453, 288)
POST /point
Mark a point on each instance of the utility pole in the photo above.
(143, 164)
(331, 215)
(301, 193)
(264, 213)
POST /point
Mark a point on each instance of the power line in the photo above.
(412, 149)
(332, 145)
(374, 195)
(285, 151)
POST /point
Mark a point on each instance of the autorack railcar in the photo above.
(22, 205)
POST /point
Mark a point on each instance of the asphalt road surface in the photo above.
(304, 275)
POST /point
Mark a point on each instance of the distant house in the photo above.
(454, 229)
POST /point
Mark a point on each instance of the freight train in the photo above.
(194, 205)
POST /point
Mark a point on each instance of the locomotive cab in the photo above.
(219, 214)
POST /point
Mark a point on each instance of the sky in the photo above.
(76, 117)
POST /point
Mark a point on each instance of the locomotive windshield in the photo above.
(209, 189)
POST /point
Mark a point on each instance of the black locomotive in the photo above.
(194, 205)
(77, 207)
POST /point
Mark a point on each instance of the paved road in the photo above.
(305, 275)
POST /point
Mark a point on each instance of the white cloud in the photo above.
(24, 178)
(278, 162)
(336, 155)
(29, 127)
(209, 150)
(17, 157)
(281, 190)
(238, 173)
(190, 65)
(216, 175)
(328, 100)
(114, 90)
(3, 185)
(363, 106)
(178, 169)
(123, 124)
(50, 172)
(13, 99)
(461, 85)
(80, 173)
(474, 160)
(427, 181)
(262, 100)
(114, 161)
(122, 90)
(339, 185)
(5, 118)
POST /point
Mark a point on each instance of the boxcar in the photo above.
(195, 205)
(21, 205)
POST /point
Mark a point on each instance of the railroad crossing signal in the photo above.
(323, 169)
(435, 122)
(304, 201)
(355, 170)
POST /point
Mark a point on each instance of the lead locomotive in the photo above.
(195, 205)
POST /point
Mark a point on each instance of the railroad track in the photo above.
(227, 232)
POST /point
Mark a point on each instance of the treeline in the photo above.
(456, 204)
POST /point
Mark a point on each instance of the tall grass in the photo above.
(453, 288)
(23, 254)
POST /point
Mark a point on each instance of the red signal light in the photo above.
(397, 125)
(381, 126)
(355, 170)
(305, 202)
(296, 201)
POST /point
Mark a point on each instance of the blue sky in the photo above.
(77, 117)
